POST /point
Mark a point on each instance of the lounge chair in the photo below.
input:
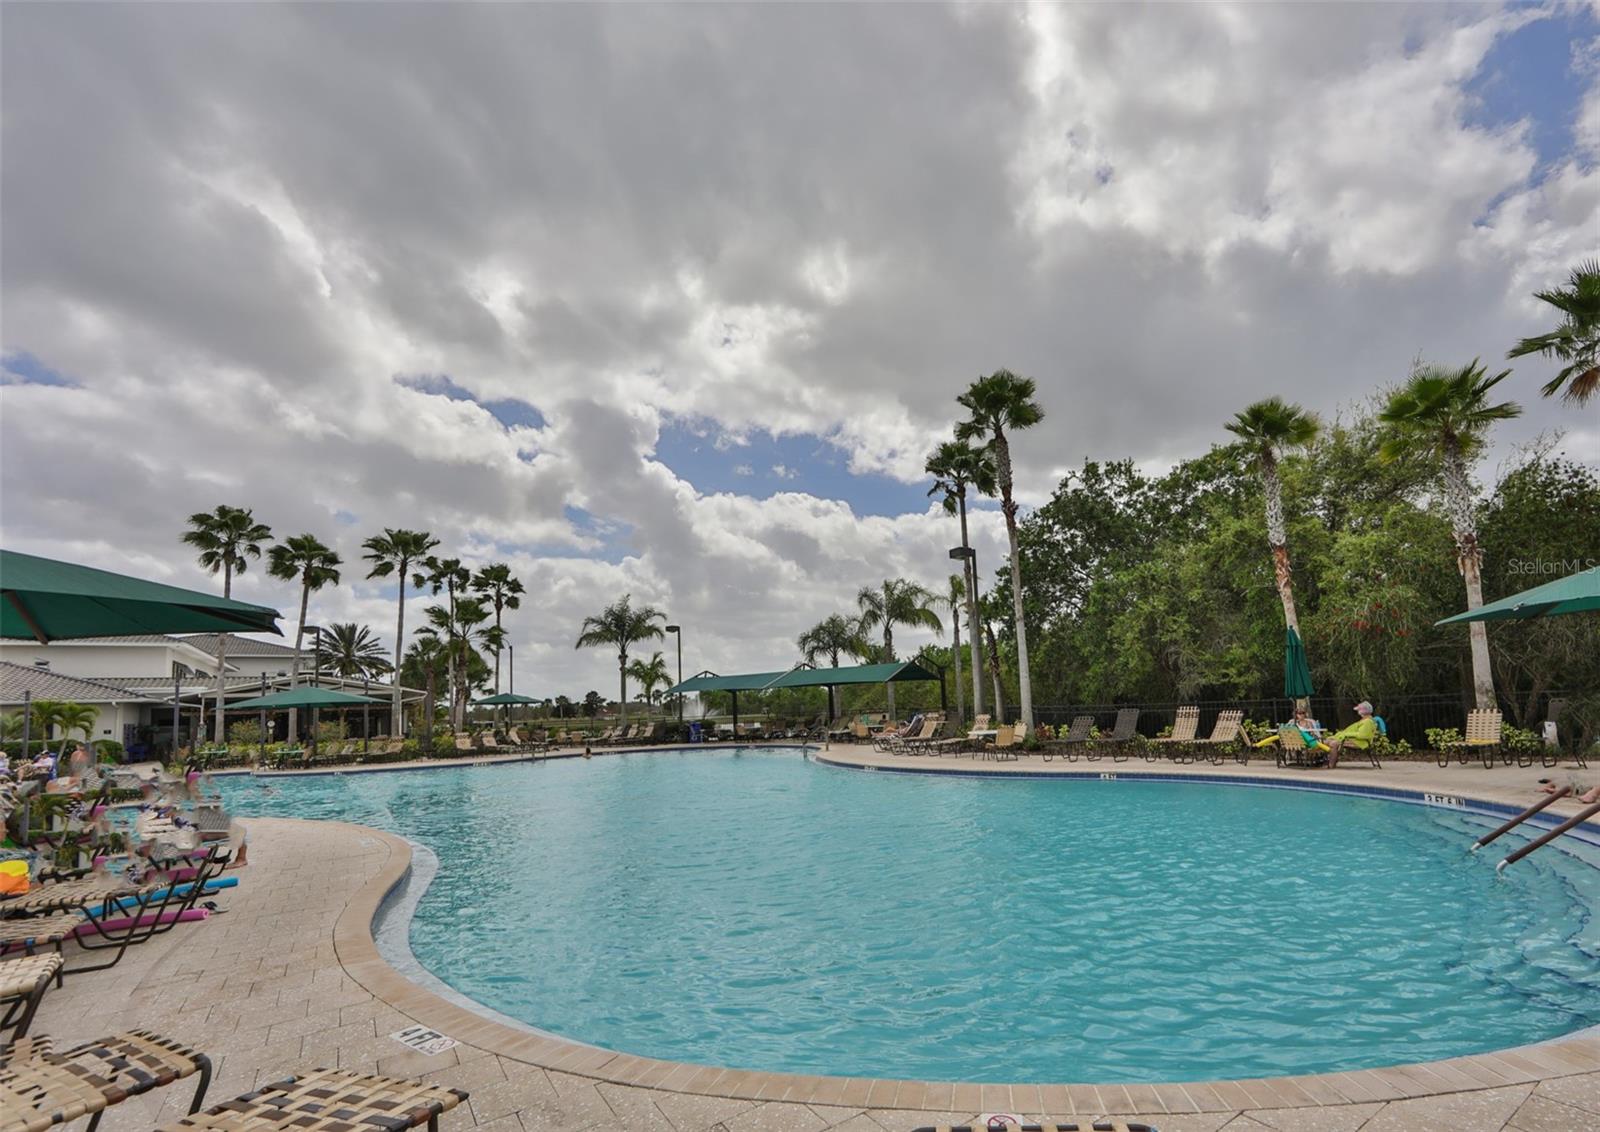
(1078, 735)
(46, 1088)
(1293, 750)
(1124, 733)
(1482, 738)
(1226, 732)
(923, 741)
(328, 1100)
(1005, 740)
(23, 981)
(1185, 726)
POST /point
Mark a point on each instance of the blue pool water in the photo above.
(759, 910)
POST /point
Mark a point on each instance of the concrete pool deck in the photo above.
(290, 978)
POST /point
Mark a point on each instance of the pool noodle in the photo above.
(126, 922)
(125, 903)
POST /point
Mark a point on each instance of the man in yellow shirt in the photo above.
(1359, 734)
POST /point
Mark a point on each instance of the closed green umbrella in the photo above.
(45, 600)
(1296, 672)
(1576, 593)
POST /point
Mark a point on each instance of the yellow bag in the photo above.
(13, 878)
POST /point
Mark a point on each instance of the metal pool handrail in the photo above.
(1520, 818)
(1577, 819)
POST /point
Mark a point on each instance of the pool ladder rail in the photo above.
(1544, 839)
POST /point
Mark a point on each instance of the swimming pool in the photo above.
(757, 910)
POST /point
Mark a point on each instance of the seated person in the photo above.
(1586, 795)
(1360, 735)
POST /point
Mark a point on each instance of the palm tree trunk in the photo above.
(1458, 500)
(994, 675)
(622, 700)
(888, 655)
(398, 722)
(294, 667)
(955, 652)
(1278, 542)
(1002, 459)
(222, 660)
(969, 567)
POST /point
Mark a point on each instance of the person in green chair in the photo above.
(1360, 735)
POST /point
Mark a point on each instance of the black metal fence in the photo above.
(1407, 717)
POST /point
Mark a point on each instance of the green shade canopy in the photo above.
(1296, 672)
(1576, 593)
(503, 699)
(304, 696)
(711, 682)
(892, 673)
(45, 600)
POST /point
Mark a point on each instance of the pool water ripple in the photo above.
(757, 910)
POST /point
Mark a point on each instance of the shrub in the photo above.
(1385, 747)
(1519, 740)
(108, 751)
(331, 731)
(245, 733)
(1443, 738)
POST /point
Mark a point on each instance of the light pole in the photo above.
(677, 632)
(511, 677)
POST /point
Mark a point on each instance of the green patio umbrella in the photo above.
(304, 696)
(1576, 593)
(1296, 672)
(45, 600)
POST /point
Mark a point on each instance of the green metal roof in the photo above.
(894, 672)
(46, 600)
(711, 682)
(304, 696)
(504, 699)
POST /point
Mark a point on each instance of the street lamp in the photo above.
(677, 631)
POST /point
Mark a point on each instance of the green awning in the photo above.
(305, 696)
(1576, 593)
(504, 699)
(893, 673)
(711, 682)
(45, 600)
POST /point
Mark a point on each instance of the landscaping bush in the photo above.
(108, 751)
(245, 733)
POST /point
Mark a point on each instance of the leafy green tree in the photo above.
(304, 559)
(621, 626)
(395, 552)
(227, 539)
(592, 703)
(353, 652)
(1576, 339)
(896, 602)
(1267, 429)
(502, 590)
(449, 577)
(995, 404)
(957, 467)
(650, 675)
(1447, 413)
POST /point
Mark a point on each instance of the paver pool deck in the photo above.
(289, 978)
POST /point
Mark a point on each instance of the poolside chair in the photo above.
(46, 1088)
(328, 1100)
(1185, 726)
(1080, 734)
(931, 732)
(1225, 733)
(23, 981)
(1005, 739)
(1293, 750)
(1124, 734)
(1482, 738)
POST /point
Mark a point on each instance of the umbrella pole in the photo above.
(174, 719)
(262, 721)
(27, 734)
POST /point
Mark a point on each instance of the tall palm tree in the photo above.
(1270, 428)
(1446, 412)
(497, 585)
(956, 599)
(450, 577)
(896, 602)
(395, 552)
(997, 403)
(956, 466)
(834, 636)
(1576, 339)
(424, 662)
(306, 559)
(650, 675)
(227, 539)
(354, 652)
(620, 625)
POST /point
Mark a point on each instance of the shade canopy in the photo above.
(1296, 672)
(711, 682)
(894, 672)
(304, 696)
(1576, 593)
(45, 600)
(504, 699)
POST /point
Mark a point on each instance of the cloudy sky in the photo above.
(674, 300)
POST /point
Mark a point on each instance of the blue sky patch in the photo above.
(760, 465)
(510, 412)
(21, 368)
(1532, 74)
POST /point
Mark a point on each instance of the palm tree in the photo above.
(996, 403)
(956, 466)
(1576, 340)
(227, 539)
(354, 652)
(1445, 413)
(501, 588)
(450, 577)
(302, 557)
(1269, 428)
(76, 717)
(621, 625)
(833, 636)
(394, 552)
(896, 602)
(956, 599)
(650, 675)
(424, 662)
(46, 714)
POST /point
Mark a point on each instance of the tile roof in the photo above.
(15, 679)
(239, 646)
